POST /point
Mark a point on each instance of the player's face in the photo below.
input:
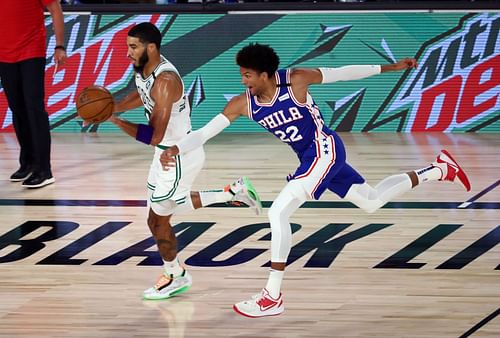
(137, 53)
(253, 80)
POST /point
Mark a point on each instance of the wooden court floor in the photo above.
(75, 256)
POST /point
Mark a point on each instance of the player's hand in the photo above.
(167, 158)
(112, 118)
(405, 64)
(402, 64)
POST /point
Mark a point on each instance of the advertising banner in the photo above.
(455, 87)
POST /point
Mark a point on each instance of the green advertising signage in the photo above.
(455, 87)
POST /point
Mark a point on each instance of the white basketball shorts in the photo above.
(168, 188)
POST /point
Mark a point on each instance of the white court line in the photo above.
(464, 205)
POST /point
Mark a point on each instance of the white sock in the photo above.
(173, 267)
(430, 173)
(273, 285)
(208, 197)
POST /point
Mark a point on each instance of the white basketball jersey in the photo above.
(180, 121)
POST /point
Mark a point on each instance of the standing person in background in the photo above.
(22, 74)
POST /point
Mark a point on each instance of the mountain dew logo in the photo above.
(97, 54)
(456, 85)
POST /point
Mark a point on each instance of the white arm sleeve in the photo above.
(348, 73)
(199, 137)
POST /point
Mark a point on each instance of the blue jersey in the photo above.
(300, 125)
(297, 124)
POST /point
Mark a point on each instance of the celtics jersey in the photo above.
(180, 121)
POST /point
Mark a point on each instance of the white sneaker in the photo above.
(244, 192)
(450, 170)
(261, 305)
(169, 286)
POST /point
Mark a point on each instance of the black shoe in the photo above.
(21, 174)
(38, 180)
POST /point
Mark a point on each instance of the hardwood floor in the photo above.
(75, 256)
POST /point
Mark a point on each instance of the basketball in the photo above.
(94, 104)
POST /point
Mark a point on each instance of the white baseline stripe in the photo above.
(464, 205)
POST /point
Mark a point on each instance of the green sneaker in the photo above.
(169, 286)
(244, 192)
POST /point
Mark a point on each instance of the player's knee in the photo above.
(273, 214)
(369, 206)
(276, 215)
(154, 220)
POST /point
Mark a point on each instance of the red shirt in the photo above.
(22, 28)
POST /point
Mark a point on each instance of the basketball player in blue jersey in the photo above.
(161, 91)
(279, 101)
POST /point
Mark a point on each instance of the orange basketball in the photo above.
(94, 104)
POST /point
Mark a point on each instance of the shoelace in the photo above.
(162, 280)
(260, 301)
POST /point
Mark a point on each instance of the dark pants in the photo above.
(24, 87)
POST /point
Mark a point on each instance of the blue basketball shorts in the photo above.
(323, 166)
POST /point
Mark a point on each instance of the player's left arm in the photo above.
(400, 65)
(166, 91)
(308, 76)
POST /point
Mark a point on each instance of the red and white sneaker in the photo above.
(450, 170)
(261, 305)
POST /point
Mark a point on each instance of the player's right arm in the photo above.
(129, 102)
(235, 108)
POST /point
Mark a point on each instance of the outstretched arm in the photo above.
(400, 65)
(307, 76)
(234, 109)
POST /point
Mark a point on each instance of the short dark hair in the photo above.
(261, 58)
(146, 32)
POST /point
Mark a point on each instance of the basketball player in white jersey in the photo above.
(160, 90)
(280, 102)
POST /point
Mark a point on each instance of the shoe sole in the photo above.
(235, 308)
(20, 179)
(170, 295)
(43, 184)
(462, 176)
(253, 194)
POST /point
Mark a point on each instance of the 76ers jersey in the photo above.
(297, 124)
(320, 150)
(180, 121)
